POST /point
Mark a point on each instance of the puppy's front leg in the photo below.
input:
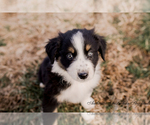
(50, 104)
(88, 103)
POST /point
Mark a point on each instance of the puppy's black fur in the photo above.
(53, 85)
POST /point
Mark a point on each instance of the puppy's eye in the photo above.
(69, 56)
(90, 54)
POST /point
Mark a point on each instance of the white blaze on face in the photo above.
(80, 64)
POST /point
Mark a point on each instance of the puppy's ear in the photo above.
(102, 45)
(52, 48)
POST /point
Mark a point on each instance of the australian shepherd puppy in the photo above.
(72, 69)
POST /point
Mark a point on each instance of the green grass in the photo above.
(32, 93)
(142, 37)
(95, 91)
(25, 95)
(142, 40)
(109, 107)
(138, 71)
(104, 63)
(2, 42)
(7, 27)
(143, 34)
(148, 92)
(4, 81)
(78, 25)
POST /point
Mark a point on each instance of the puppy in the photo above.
(72, 69)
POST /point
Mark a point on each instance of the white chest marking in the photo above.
(78, 90)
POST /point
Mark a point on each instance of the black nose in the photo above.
(83, 75)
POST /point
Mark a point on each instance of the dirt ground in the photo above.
(125, 82)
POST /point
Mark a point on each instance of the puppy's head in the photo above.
(77, 52)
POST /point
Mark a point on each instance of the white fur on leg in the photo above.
(42, 85)
(88, 103)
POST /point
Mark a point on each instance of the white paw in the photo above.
(88, 103)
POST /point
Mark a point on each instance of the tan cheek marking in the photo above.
(71, 49)
(59, 63)
(88, 47)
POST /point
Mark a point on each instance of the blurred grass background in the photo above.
(125, 73)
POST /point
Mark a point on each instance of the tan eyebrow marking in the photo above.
(71, 49)
(88, 47)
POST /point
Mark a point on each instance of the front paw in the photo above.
(88, 103)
